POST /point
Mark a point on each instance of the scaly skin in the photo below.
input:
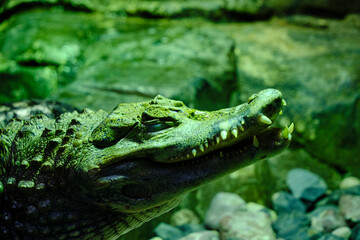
(93, 175)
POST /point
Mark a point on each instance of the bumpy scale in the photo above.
(94, 175)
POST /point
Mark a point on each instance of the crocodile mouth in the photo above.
(139, 184)
(264, 144)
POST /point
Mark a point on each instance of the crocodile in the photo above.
(98, 175)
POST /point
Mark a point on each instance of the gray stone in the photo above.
(326, 219)
(156, 238)
(343, 232)
(349, 182)
(255, 207)
(223, 204)
(305, 184)
(184, 216)
(246, 225)
(204, 235)
(330, 236)
(292, 226)
(285, 202)
(166, 58)
(334, 197)
(350, 206)
(281, 164)
(168, 232)
(191, 228)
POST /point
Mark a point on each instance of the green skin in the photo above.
(94, 175)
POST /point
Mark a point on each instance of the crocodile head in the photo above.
(151, 153)
(93, 175)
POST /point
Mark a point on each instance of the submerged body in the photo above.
(94, 175)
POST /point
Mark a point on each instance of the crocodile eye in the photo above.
(252, 97)
(157, 125)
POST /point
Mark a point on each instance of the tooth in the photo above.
(187, 155)
(201, 147)
(234, 132)
(283, 102)
(242, 128)
(264, 119)
(221, 154)
(291, 128)
(193, 152)
(280, 113)
(255, 142)
(206, 144)
(286, 132)
(217, 139)
(223, 135)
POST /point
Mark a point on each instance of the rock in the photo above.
(168, 232)
(223, 204)
(326, 219)
(330, 236)
(353, 190)
(184, 216)
(281, 164)
(350, 206)
(292, 226)
(191, 228)
(255, 207)
(285, 202)
(246, 225)
(343, 232)
(114, 68)
(305, 184)
(156, 238)
(295, 59)
(203, 235)
(334, 197)
(349, 182)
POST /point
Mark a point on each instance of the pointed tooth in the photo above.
(255, 142)
(234, 132)
(221, 154)
(291, 128)
(281, 112)
(206, 144)
(217, 139)
(286, 132)
(283, 102)
(242, 128)
(187, 155)
(193, 152)
(223, 135)
(201, 147)
(264, 119)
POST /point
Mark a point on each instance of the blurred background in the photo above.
(209, 54)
